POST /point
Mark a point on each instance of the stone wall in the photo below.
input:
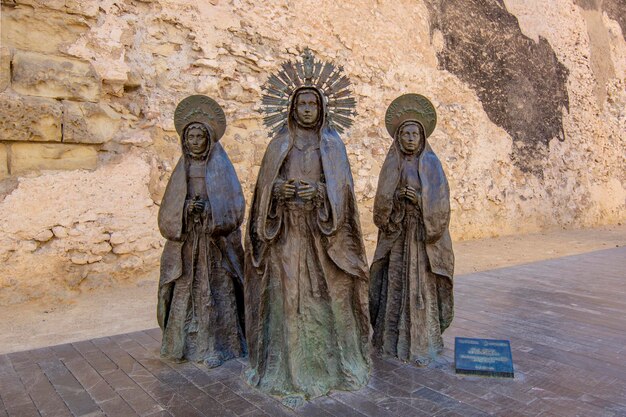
(530, 96)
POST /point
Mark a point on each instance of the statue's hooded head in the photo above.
(307, 109)
(200, 122)
(410, 137)
(197, 140)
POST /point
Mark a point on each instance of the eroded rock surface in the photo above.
(520, 82)
(530, 95)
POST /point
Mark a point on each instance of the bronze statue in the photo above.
(306, 271)
(200, 306)
(410, 299)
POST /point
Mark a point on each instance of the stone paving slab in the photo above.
(564, 318)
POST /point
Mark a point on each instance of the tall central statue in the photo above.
(306, 274)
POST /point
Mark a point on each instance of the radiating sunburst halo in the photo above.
(328, 78)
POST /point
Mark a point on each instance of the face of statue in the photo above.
(307, 110)
(411, 137)
(197, 141)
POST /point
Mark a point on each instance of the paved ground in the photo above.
(564, 317)
(89, 314)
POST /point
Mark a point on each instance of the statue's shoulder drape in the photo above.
(342, 230)
(227, 207)
(435, 206)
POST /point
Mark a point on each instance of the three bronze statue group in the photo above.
(314, 311)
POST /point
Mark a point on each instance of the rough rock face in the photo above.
(531, 99)
(520, 83)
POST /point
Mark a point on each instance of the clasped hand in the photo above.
(287, 190)
(196, 206)
(409, 193)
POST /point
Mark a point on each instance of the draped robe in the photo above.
(306, 277)
(410, 298)
(200, 302)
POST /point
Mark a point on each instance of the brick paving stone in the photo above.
(256, 413)
(337, 408)
(401, 408)
(371, 394)
(430, 401)
(617, 409)
(185, 390)
(221, 392)
(98, 360)
(132, 393)
(136, 397)
(312, 410)
(449, 413)
(387, 388)
(75, 397)
(42, 393)
(361, 404)
(25, 410)
(155, 334)
(13, 396)
(106, 398)
(239, 406)
(24, 359)
(149, 343)
(3, 411)
(162, 413)
(6, 367)
(563, 318)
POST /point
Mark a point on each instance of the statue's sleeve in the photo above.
(226, 205)
(172, 209)
(394, 222)
(324, 215)
(274, 218)
(388, 206)
(435, 198)
(389, 217)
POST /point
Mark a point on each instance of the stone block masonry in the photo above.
(30, 119)
(55, 77)
(5, 68)
(88, 90)
(27, 157)
(89, 122)
(25, 28)
(4, 165)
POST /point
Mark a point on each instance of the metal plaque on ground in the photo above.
(484, 357)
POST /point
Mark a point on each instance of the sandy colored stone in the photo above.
(4, 163)
(150, 55)
(92, 209)
(44, 236)
(88, 8)
(55, 77)
(29, 119)
(26, 157)
(5, 67)
(89, 122)
(31, 27)
(59, 231)
(138, 138)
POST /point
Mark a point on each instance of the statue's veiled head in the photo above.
(197, 140)
(411, 137)
(307, 108)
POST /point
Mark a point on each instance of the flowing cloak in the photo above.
(340, 235)
(435, 207)
(227, 206)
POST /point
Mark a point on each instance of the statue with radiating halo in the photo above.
(306, 271)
